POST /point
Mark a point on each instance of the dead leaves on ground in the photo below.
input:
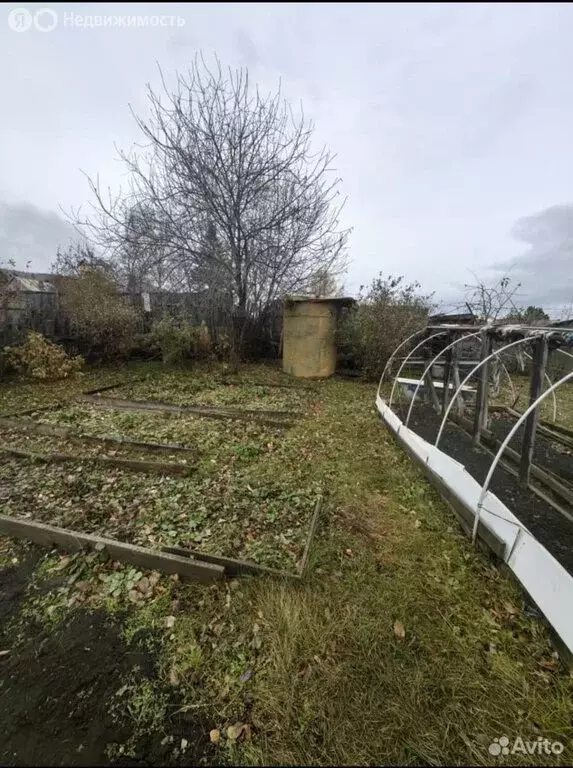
(399, 630)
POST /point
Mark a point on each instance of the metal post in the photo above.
(535, 387)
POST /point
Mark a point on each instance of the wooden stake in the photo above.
(480, 417)
(448, 361)
(536, 384)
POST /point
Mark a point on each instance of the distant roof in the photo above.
(342, 301)
(562, 323)
(34, 282)
(464, 317)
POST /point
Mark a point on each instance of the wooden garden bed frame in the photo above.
(189, 564)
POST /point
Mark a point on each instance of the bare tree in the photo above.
(490, 303)
(220, 155)
(71, 261)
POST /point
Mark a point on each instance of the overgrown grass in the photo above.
(402, 646)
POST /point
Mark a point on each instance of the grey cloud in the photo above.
(29, 234)
(545, 269)
(449, 121)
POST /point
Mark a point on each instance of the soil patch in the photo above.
(56, 687)
(551, 528)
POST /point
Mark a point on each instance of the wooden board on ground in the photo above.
(118, 404)
(72, 541)
(68, 433)
(231, 566)
(135, 465)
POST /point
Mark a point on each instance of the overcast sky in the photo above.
(450, 122)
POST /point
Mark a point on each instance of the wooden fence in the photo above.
(21, 311)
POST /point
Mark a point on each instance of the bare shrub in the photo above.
(388, 312)
(103, 322)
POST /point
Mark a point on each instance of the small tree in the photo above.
(388, 312)
(222, 155)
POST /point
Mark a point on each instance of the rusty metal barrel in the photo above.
(309, 335)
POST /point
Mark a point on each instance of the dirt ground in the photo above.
(56, 688)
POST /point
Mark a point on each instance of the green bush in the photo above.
(385, 315)
(39, 358)
(179, 341)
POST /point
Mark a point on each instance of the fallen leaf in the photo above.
(511, 609)
(184, 744)
(143, 584)
(348, 553)
(399, 630)
(83, 586)
(5, 653)
(169, 621)
(246, 675)
(417, 524)
(215, 735)
(173, 677)
(234, 731)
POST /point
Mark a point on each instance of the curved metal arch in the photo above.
(550, 383)
(429, 368)
(401, 368)
(393, 355)
(505, 443)
(470, 374)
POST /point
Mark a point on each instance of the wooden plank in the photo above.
(554, 432)
(224, 409)
(231, 567)
(144, 407)
(72, 541)
(430, 388)
(28, 411)
(313, 526)
(69, 434)
(135, 465)
(114, 386)
(457, 383)
(539, 365)
(480, 415)
(448, 366)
